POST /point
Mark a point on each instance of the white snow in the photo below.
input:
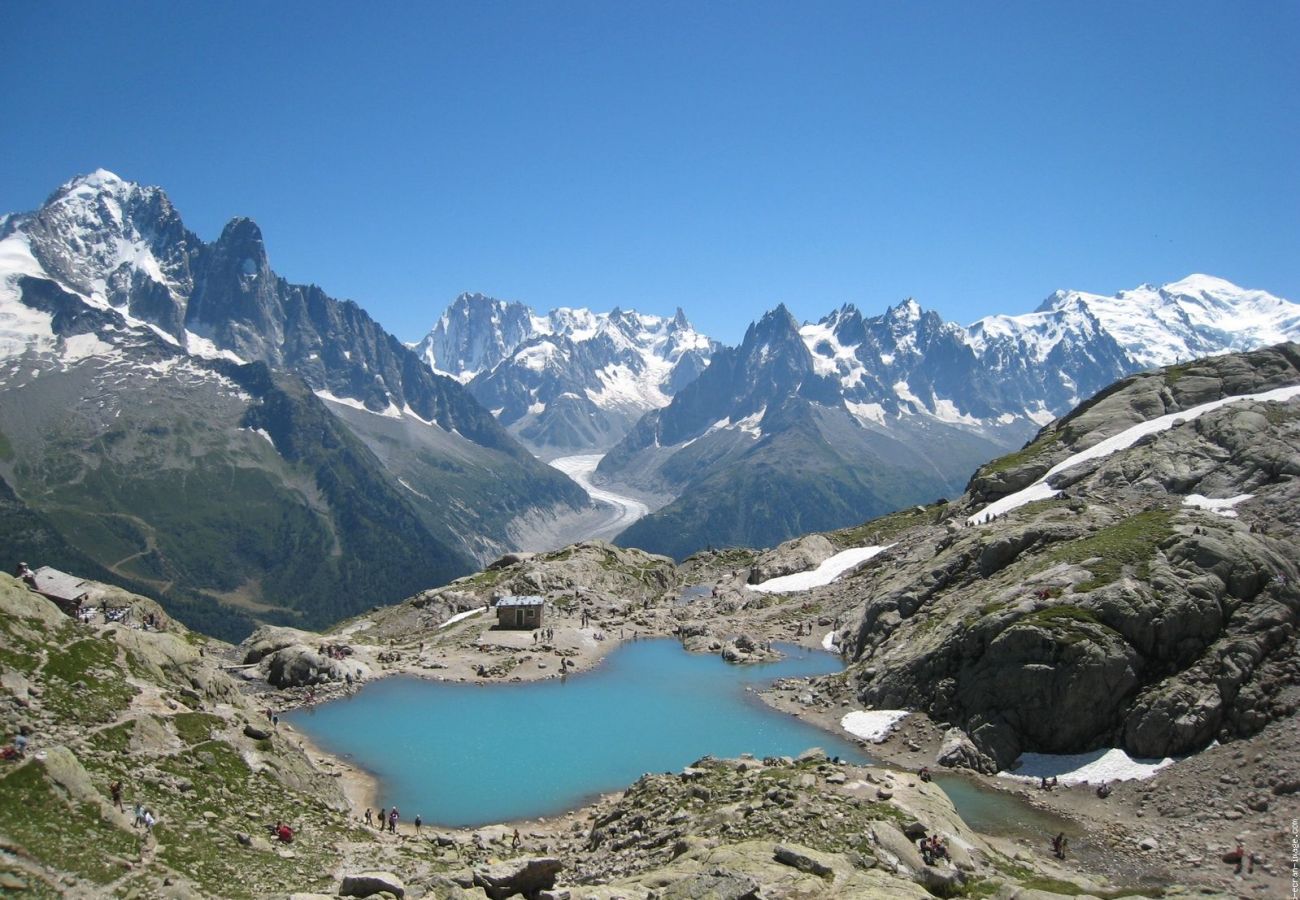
(866, 412)
(82, 346)
(21, 327)
(872, 724)
(201, 346)
(829, 643)
(824, 574)
(1041, 490)
(403, 483)
(1085, 768)
(947, 411)
(1222, 507)
(462, 615)
(264, 434)
(391, 413)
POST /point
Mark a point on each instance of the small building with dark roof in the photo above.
(68, 592)
(525, 612)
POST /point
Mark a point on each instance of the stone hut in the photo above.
(526, 612)
(67, 592)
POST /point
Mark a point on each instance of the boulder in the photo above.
(803, 859)
(268, 639)
(363, 884)
(958, 751)
(524, 876)
(299, 665)
(798, 555)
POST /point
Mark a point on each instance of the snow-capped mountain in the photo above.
(1157, 326)
(572, 379)
(901, 399)
(208, 431)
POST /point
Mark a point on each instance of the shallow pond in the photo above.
(466, 754)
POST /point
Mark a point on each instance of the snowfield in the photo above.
(1041, 490)
(1093, 767)
(824, 574)
(872, 724)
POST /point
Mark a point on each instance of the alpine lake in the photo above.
(465, 755)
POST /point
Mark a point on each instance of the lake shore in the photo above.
(409, 641)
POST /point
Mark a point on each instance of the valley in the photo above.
(1121, 615)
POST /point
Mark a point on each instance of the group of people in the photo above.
(1059, 843)
(388, 819)
(1046, 784)
(933, 849)
(544, 634)
(17, 748)
(144, 818)
(337, 651)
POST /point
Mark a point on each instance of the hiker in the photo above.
(1059, 844)
(1240, 857)
(139, 815)
(515, 841)
(925, 774)
(370, 819)
(418, 823)
(1103, 790)
(116, 790)
(149, 821)
(392, 820)
(284, 833)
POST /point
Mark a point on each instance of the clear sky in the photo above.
(720, 156)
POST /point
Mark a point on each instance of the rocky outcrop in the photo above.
(518, 876)
(1116, 614)
(298, 666)
(798, 555)
(366, 884)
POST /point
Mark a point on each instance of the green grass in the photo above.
(1129, 544)
(886, 528)
(1023, 456)
(196, 727)
(83, 681)
(36, 815)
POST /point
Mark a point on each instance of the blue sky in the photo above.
(719, 156)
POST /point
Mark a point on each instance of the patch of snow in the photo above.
(21, 327)
(201, 346)
(82, 346)
(866, 412)
(749, 424)
(536, 409)
(947, 411)
(402, 482)
(904, 392)
(872, 724)
(262, 433)
(824, 574)
(1219, 507)
(391, 413)
(1040, 490)
(829, 644)
(462, 615)
(1093, 767)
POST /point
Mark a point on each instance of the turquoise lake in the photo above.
(464, 754)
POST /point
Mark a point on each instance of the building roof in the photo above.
(53, 583)
(511, 600)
